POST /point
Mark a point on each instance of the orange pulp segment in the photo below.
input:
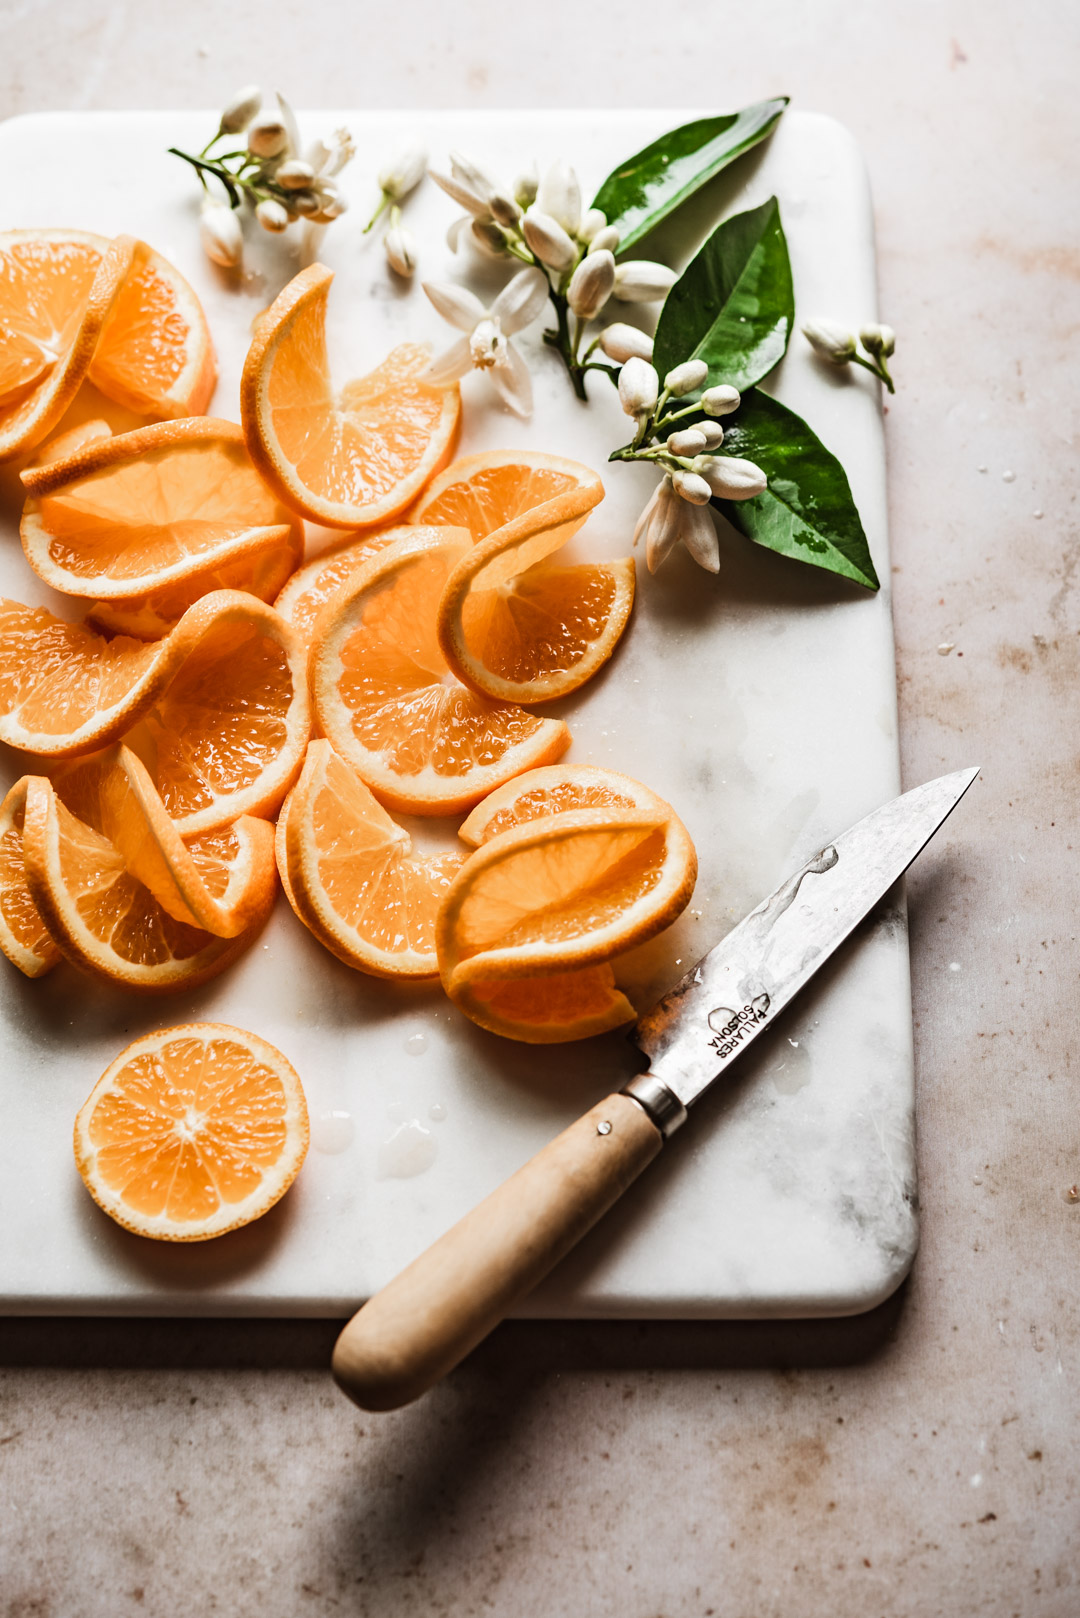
(311, 587)
(555, 790)
(155, 354)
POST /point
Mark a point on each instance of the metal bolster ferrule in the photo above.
(662, 1105)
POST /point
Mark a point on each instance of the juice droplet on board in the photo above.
(410, 1150)
(416, 1044)
(791, 1070)
(333, 1131)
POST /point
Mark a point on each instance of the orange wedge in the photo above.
(155, 355)
(57, 288)
(387, 702)
(102, 918)
(24, 938)
(220, 705)
(553, 791)
(512, 624)
(553, 896)
(223, 881)
(352, 875)
(347, 461)
(164, 505)
(311, 587)
(191, 1132)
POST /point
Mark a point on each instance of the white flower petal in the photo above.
(521, 300)
(664, 527)
(698, 533)
(513, 381)
(461, 194)
(646, 514)
(288, 118)
(453, 234)
(448, 367)
(457, 305)
(560, 196)
(466, 173)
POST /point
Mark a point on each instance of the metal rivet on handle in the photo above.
(603, 1127)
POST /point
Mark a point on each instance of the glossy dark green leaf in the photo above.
(807, 511)
(647, 187)
(733, 305)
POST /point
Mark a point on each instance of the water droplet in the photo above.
(975, 1479)
(945, 648)
(982, 469)
(410, 1150)
(954, 966)
(436, 1112)
(333, 1131)
(792, 1069)
(416, 1044)
(1008, 477)
(1036, 513)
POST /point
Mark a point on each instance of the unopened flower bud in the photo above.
(878, 340)
(548, 240)
(403, 175)
(488, 238)
(267, 135)
(691, 441)
(559, 196)
(504, 210)
(526, 186)
(272, 215)
(639, 387)
(592, 221)
(720, 401)
(686, 377)
(731, 478)
(831, 340)
(621, 342)
(712, 432)
(305, 203)
(241, 109)
(400, 248)
(332, 208)
(605, 241)
(221, 235)
(590, 285)
(692, 487)
(295, 175)
(641, 281)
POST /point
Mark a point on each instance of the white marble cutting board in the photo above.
(761, 703)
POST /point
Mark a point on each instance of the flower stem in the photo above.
(560, 338)
(385, 198)
(879, 370)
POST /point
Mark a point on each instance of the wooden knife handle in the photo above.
(429, 1317)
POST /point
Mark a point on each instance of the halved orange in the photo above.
(555, 790)
(389, 705)
(222, 881)
(311, 587)
(352, 875)
(102, 918)
(155, 354)
(175, 502)
(347, 461)
(539, 903)
(24, 937)
(218, 710)
(191, 1132)
(57, 288)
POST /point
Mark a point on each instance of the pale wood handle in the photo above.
(429, 1317)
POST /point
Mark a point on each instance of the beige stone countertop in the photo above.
(920, 1460)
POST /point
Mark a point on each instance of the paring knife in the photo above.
(429, 1317)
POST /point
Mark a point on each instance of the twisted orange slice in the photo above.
(529, 929)
(553, 791)
(352, 875)
(387, 702)
(107, 922)
(191, 1132)
(351, 460)
(24, 937)
(513, 625)
(57, 288)
(147, 510)
(311, 587)
(220, 705)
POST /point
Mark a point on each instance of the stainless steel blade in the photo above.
(734, 992)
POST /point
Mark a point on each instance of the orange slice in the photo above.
(220, 704)
(311, 587)
(387, 702)
(223, 881)
(352, 875)
(57, 288)
(349, 461)
(191, 1132)
(550, 897)
(555, 790)
(24, 938)
(512, 624)
(102, 918)
(260, 573)
(155, 355)
(137, 513)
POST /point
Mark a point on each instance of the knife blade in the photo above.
(431, 1315)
